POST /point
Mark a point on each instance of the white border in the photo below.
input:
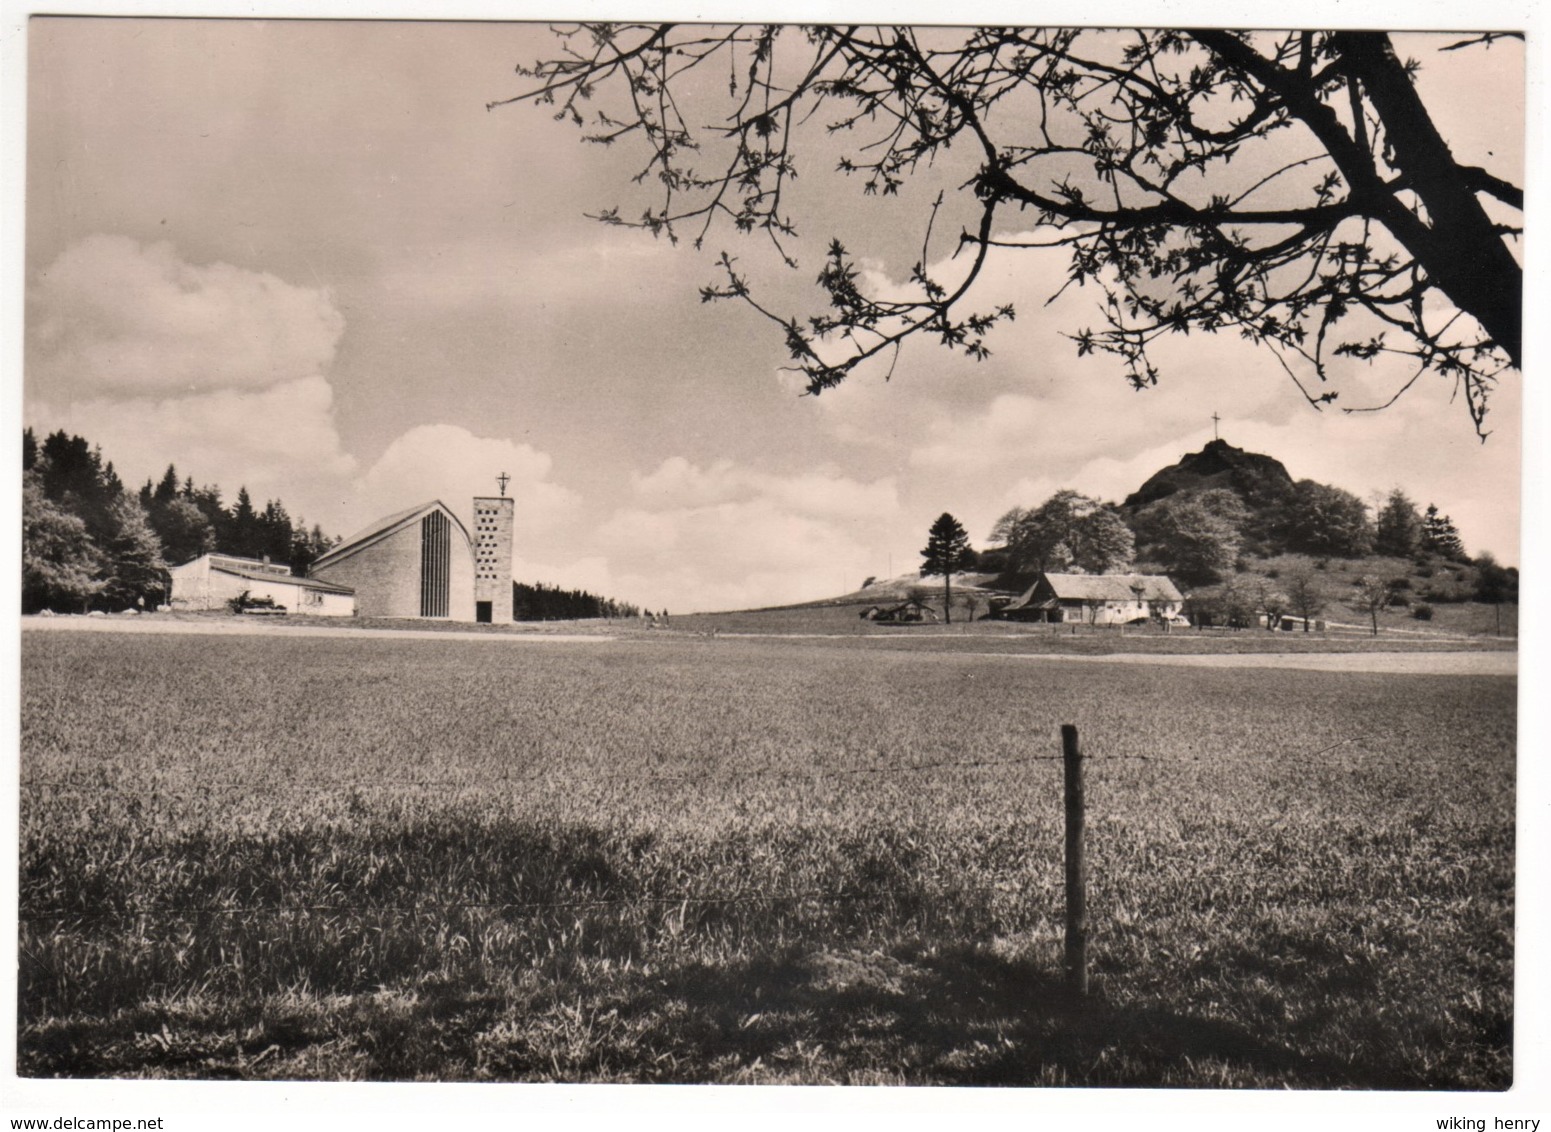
(319, 1106)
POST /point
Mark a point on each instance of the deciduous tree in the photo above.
(1371, 595)
(60, 564)
(1326, 520)
(1304, 595)
(1194, 536)
(1066, 530)
(184, 531)
(1289, 187)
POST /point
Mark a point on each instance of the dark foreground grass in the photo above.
(680, 860)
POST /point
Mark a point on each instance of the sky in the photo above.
(303, 257)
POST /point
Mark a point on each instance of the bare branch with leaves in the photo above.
(1290, 188)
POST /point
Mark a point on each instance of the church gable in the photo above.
(417, 563)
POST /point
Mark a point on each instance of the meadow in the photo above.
(692, 858)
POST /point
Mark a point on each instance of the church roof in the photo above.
(382, 528)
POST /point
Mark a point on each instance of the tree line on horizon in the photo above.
(1198, 537)
(539, 602)
(1203, 539)
(90, 543)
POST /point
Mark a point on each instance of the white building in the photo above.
(211, 580)
(1097, 599)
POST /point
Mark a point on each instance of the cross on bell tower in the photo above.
(503, 479)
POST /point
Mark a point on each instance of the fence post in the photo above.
(1076, 867)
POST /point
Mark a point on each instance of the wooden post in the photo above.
(1076, 867)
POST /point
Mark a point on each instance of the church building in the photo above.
(423, 563)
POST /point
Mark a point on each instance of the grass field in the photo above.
(684, 858)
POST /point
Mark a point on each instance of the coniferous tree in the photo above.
(947, 547)
(274, 532)
(136, 571)
(1440, 537)
(307, 546)
(1398, 530)
(167, 490)
(242, 536)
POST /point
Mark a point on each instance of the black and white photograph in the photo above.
(970, 566)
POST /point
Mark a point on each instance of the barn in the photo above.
(422, 563)
(1096, 599)
(212, 580)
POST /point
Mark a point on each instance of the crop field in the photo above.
(682, 858)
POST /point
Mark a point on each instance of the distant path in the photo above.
(1494, 663)
(1408, 663)
(263, 627)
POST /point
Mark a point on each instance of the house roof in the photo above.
(1107, 587)
(282, 579)
(220, 561)
(382, 528)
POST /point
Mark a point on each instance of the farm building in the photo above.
(912, 611)
(1096, 599)
(212, 580)
(422, 563)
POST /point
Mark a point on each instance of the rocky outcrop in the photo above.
(1261, 481)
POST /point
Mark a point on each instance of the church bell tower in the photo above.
(493, 556)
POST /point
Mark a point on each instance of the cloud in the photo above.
(727, 536)
(677, 483)
(279, 442)
(113, 316)
(450, 463)
(590, 573)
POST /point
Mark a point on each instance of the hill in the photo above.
(1259, 480)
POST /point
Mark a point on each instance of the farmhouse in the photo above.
(422, 562)
(1095, 599)
(212, 580)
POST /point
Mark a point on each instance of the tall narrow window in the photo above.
(435, 564)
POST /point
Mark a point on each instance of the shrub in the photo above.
(1423, 612)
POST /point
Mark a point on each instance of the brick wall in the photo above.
(493, 555)
(386, 575)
